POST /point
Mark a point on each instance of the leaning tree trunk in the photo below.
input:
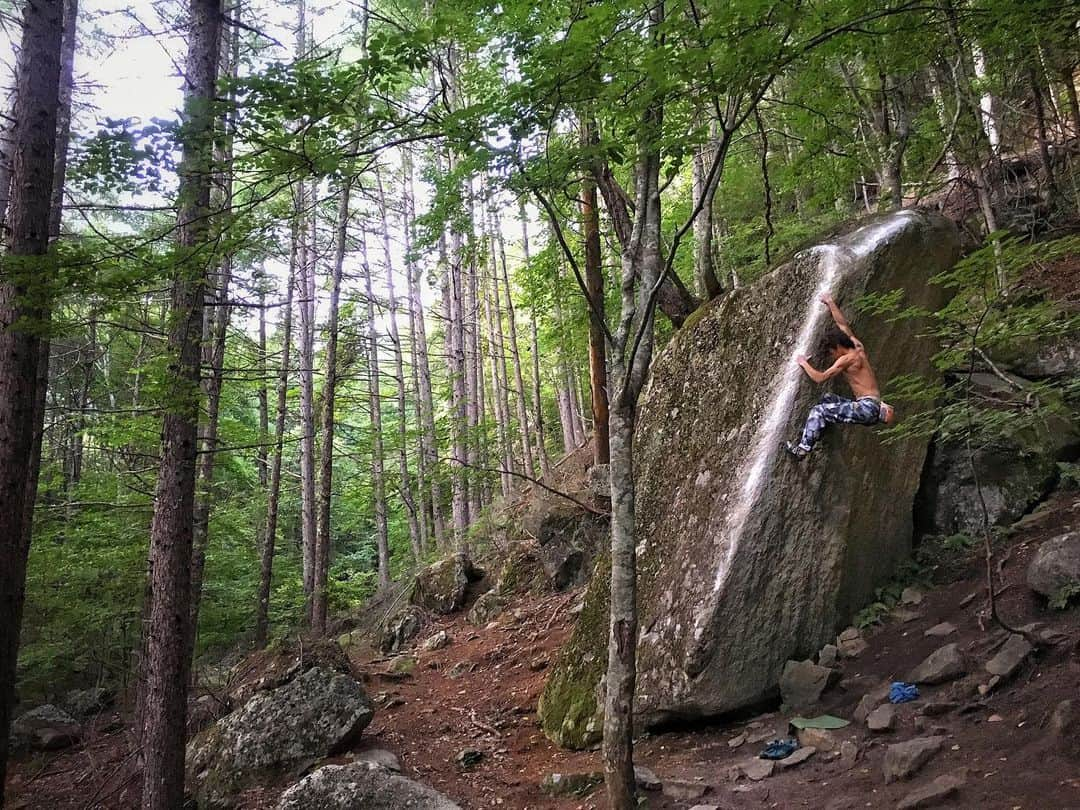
(22, 290)
(168, 626)
(378, 462)
(266, 553)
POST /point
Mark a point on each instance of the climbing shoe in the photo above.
(796, 451)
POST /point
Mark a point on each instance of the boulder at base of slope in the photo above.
(748, 558)
(441, 587)
(1055, 566)
(1014, 471)
(315, 715)
(46, 728)
(361, 786)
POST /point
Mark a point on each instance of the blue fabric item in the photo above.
(900, 692)
(833, 409)
(779, 749)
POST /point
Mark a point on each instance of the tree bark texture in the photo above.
(266, 552)
(168, 618)
(22, 284)
(594, 287)
(378, 468)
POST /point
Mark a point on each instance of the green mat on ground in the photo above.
(821, 721)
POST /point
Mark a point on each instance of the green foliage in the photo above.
(1061, 599)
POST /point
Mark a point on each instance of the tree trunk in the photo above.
(473, 372)
(515, 354)
(168, 626)
(1041, 135)
(456, 367)
(216, 315)
(497, 357)
(704, 256)
(56, 212)
(326, 456)
(418, 329)
(622, 637)
(412, 514)
(988, 120)
(266, 553)
(594, 286)
(1074, 104)
(537, 392)
(378, 471)
(262, 454)
(33, 167)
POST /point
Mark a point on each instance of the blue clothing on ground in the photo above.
(779, 749)
(901, 692)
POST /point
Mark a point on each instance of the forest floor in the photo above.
(480, 694)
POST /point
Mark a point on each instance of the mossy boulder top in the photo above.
(747, 558)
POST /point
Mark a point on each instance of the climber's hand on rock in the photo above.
(801, 359)
(826, 299)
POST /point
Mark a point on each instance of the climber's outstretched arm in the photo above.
(838, 317)
(836, 369)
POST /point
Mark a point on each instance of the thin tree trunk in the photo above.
(988, 120)
(326, 455)
(1074, 104)
(704, 256)
(428, 436)
(216, 315)
(378, 471)
(262, 455)
(594, 286)
(266, 553)
(473, 372)
(498, 382)
(33, 167)
(456, 367)
(1041, 135)
(168, 626)
(305, 213)
(515, 355)
(537, 392)
(411, 512)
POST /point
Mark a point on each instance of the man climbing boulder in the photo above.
(851, 361)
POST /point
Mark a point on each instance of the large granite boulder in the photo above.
(313, 716)
(747, 558)
(361, 786)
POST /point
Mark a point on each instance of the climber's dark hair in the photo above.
(837, 337)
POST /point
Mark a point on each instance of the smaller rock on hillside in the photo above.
(441, 587)
(311, 717)
(1056, 566)
(46, 728)
(400, 629)
(361, 786)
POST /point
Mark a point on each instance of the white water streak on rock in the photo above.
(786, 385)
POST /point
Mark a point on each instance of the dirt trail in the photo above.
(480, 693)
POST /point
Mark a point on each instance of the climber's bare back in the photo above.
(859, 374)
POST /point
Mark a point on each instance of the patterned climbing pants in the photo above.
(833, 409)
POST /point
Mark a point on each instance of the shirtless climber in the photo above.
(849, 359)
